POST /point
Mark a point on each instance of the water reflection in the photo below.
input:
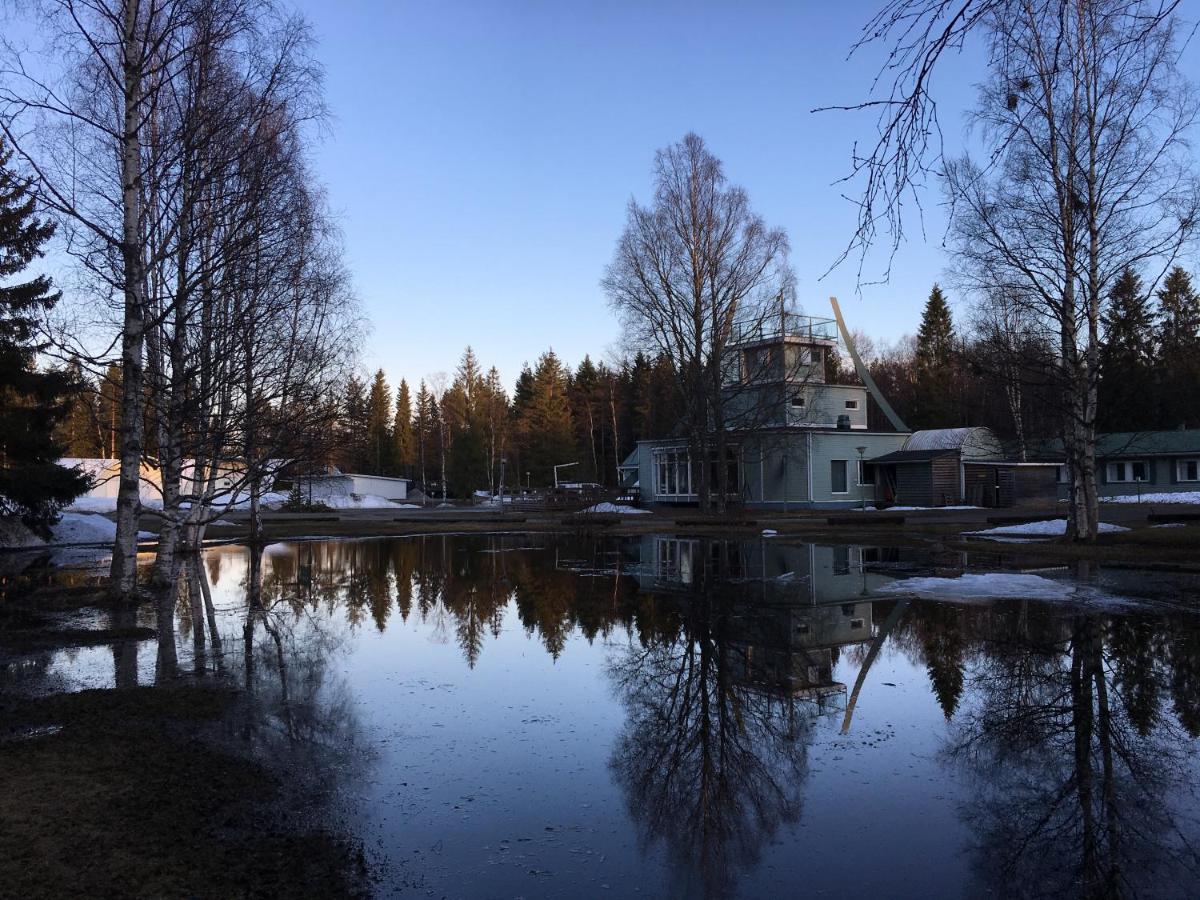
(741, 675)
(1083, 785)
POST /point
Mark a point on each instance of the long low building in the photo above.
(1140, 463)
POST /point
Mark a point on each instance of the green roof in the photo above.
(1179, 442)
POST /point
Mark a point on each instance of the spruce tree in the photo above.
(402, 431)
(379, 421)
(546, 425)
(108, 412)
(78, 433)
(935, 404)
(423, 432)
(33, 401)
(353, 452)
(1179, 351)
(1127, 391)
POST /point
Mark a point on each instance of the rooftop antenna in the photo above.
(863, 374)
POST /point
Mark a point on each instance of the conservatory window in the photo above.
(673, 473)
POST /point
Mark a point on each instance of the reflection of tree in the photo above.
(710, 765)
(1185, 678)
(295, 710)
(943, 648)
(1076, 782)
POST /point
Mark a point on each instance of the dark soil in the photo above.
(129, 798)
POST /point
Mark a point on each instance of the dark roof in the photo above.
(912, 456)
(1135, 443)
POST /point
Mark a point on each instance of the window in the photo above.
(857, 624)
(672, 473)
(866, 473)
(1136, 470)
(851, 404)
(1187, 470)
(797, 401)
(837, 476)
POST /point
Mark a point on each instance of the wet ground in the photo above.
(525, 715)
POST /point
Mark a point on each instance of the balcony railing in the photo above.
(788, 325)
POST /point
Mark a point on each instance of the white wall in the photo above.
(389, 488)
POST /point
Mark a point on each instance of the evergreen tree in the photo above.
(423, 425)
(1179, 351)
(32, 401)
(546, 426)
(78, 433)
(1127, 391)
(108, 412)
(935, 403)
(494, 412)
(402, 431)
(353, 453)
(379, 422)
(585, 402)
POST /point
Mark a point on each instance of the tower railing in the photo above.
(807, 329)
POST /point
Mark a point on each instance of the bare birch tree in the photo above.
(689, 271)
(1085, 120)
(81, 125)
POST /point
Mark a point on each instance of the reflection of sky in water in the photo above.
(503, 778)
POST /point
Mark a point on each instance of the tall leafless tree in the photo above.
(1085, 119)
(691, 270)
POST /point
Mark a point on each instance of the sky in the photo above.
(480, 155)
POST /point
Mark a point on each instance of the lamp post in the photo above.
(859, 479)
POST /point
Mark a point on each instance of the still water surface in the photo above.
(519, 715)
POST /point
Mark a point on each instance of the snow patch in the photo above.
(1160, 497)
(86, 528)
(15, 535)
(769, 532)
(614, 509)
(1051, 528)
(989, 586)
(910, 508)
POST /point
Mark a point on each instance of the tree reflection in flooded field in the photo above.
(519, 714)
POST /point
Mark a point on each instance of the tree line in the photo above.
(469, 433)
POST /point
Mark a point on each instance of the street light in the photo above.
(861, 492)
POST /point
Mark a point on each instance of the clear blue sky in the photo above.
(481, 156)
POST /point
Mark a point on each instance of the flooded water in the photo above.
(525, 716)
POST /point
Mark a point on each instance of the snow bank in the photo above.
(911, 508)
(87, 504)
(615, 509)
(1051, 528)
(1162, 497)
(84, 528)
(15, 535)
(989, 586)
(357, 501)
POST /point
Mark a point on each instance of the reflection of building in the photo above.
(791, 650)
(761, 569)
(793, 606)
